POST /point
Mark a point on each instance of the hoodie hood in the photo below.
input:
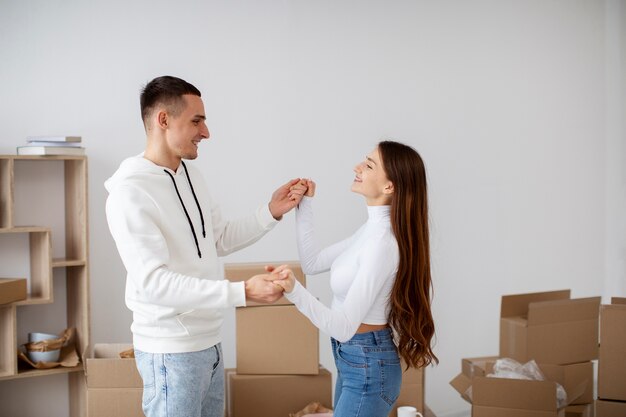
(135, 168)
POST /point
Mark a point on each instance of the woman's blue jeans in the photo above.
(182, 384)
(369, 375)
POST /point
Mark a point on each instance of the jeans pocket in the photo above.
(352, 355)
(218, 356)
(390, 379)
(145, 366)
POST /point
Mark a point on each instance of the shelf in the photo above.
(43, 266)
(29, 373)
(24, 229)
(29, 301)
(44, 157)
(63, 262)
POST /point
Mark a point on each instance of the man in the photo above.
(169, 234)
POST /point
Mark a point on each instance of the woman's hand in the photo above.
(283, 277)
(310, 192)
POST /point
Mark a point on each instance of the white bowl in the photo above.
(50, 356)
(39, 337)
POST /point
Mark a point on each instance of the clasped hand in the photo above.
(268, 288)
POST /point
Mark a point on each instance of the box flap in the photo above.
(576, 392)
(517, 305)
(461, 384)
(472, 367)
(514, 393)
(561, 311)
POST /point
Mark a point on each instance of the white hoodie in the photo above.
(175, 287)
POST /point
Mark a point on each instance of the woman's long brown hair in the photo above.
(410, 315)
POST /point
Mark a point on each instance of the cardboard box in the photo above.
(610, 408)
(521, 398)
(274, 340)
(549, 327)
(12, 289)
(412, 390)
(107, 370)
(612, 361)
(236, 272)
(569, 376)
(275, 395)
(586, 410)
(114, 402)
(114, 386)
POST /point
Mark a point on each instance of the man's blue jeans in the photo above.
(182, 384)
(369, 375)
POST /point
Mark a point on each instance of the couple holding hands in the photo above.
(170, 233)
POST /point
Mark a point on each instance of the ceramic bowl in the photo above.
(39, 337)
(50, 356)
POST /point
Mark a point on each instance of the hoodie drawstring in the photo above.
(193, 230)
(195, 198)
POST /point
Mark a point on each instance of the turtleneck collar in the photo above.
(378, 213)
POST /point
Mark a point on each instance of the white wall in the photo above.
(516, 107)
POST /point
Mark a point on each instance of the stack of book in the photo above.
(52, 145)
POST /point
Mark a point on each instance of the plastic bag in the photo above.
(512, 369)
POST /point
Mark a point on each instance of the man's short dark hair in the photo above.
(167, 91)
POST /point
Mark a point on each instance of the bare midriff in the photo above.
(364, 328)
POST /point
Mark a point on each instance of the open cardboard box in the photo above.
(275, 395)
(549, 327)
(612, 361)
(107, 370)
(114, 386)
(522, 398)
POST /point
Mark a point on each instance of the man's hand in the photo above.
(287, 197)
(261, 289)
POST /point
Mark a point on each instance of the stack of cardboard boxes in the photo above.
(612, 361)
(278, 370)
(561, 335)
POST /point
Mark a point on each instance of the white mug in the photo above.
(408, 411)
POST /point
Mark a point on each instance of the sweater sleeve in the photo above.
(377, 265)
(313, 259)
(232, 235)
(132, 219)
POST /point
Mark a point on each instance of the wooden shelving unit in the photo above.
(41, 270)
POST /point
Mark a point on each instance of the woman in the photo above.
(381, 283)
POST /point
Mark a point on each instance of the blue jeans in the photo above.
(182, 384)
(369, 375)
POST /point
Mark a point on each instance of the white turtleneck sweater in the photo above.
(362, 272)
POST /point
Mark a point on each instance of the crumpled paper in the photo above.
(314, 408)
